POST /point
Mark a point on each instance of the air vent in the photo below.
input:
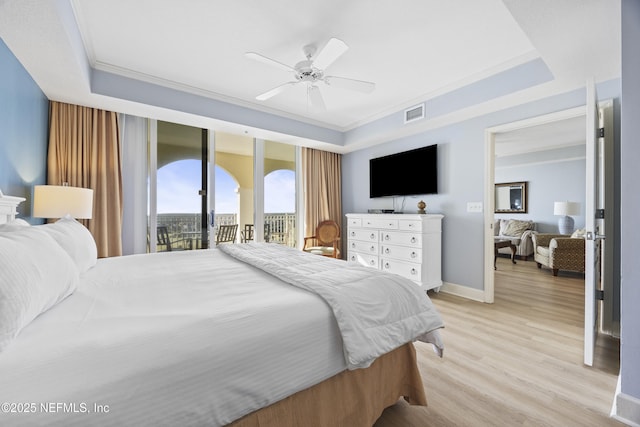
(414, 113)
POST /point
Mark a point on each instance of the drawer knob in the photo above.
(373, 236)
(414, 271)
(372, 248)
(353, 257)
(353, 245)
(413, 254)
(386, 250)
(353, 234)
(372, 262)
(413, 240)
(386, 265)
(386, 237)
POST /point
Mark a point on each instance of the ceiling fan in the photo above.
(311, 71)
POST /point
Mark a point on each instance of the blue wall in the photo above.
(24, 122)
(545, 185)
(629, 208)
(460, 179)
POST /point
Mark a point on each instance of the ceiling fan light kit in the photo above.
(311, 71)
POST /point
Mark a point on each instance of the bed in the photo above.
(213, 337)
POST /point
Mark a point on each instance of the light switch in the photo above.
(475, 207)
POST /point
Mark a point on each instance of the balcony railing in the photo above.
(185, 229)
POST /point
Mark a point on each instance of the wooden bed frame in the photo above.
(8, 207)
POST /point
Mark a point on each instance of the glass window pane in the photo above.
(280, 193)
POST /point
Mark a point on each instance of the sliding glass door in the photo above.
(181, 177)
(279, 186)
(200, 180)
(233, 205)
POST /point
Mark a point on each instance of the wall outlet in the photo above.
(475, 207)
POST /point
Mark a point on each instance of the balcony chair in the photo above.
(326, 237)
(163, 239)
(226, 233)
(246, 235)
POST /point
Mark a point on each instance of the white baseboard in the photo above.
(463, 291)
(626, 409)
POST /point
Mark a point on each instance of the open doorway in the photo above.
(529, 150)
(559, 157)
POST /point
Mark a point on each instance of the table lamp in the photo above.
(56, 201)
(565, 223)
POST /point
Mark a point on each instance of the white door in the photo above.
(594, 201)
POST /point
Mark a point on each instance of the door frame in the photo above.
(489, 181)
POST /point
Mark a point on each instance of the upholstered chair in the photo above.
(559, 252)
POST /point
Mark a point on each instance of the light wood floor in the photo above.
(517, 362)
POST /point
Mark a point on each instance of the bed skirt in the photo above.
(351, 398)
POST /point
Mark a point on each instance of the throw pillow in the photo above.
(579, 233)
(515, 228)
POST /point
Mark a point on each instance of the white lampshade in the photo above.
(56, 201)
(566, 208)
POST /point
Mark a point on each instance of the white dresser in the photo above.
(406, 244)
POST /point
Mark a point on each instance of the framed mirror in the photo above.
(511, 197)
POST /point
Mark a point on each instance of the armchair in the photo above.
(559, 252)
(327, 237)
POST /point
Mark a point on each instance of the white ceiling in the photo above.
(413, 50)
(549, 136)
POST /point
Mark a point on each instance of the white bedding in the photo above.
(376, 311)
(229, 340)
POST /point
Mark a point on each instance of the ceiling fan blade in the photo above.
(329, 53)
(273, 92)
(315, 98)
(345, 83)
(269, 61)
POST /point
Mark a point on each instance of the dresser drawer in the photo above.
(381, 223)
(404, 253)
(407, 225)
(401, 238)
(354, 222)
(409, 270)
(363, 234)
(363, 246)
(363, 258)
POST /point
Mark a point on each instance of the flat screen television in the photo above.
(403, 174)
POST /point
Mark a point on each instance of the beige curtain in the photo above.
(322, 172)
(84, 151)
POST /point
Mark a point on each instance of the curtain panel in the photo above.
(322, 173)
(84, 151)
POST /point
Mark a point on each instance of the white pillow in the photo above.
(76, 239)
(35, 274)
(16, 224)
(579, 233)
